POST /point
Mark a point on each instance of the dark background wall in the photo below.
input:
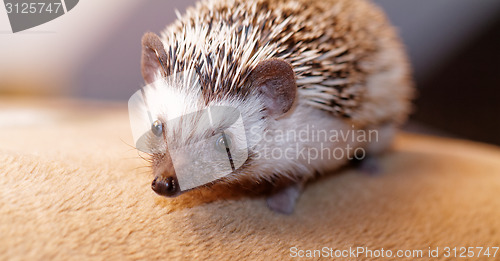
(462, 96)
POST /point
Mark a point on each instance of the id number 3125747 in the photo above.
(33, 8)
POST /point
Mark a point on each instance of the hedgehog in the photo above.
(288, 69)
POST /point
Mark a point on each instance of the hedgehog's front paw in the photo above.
(284, 200)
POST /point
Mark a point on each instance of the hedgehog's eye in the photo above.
(222, 142)
(157, 128)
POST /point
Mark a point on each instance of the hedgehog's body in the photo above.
(349, 73)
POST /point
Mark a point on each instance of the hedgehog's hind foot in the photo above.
(284, 200)
(369, 165)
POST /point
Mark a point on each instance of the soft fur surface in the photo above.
(71, 188)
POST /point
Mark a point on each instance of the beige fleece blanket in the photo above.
(73, 188)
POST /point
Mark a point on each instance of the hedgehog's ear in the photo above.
(274, 79)
(153, 57)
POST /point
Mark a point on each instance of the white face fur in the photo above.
(193, 140)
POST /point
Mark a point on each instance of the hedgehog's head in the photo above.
(195, 141)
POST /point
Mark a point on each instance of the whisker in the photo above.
(133, 147)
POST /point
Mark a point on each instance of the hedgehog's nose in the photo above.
(168, 187)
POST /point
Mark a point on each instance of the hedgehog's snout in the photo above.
(168, 187)
(165, 182)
